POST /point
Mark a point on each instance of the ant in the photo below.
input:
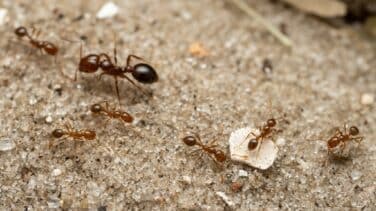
(341, 138)
(142, 72)
(266, 130)
(97, 108)
(217, 155)
(83, 135)
(48, 47)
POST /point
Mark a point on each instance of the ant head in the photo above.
(354, 131)
(58, 133)
(20, 31)
(190, 140)
(89, 63)
(96, 108)
(252, 144)
(144, 73)
(220, 156)
(271, 122)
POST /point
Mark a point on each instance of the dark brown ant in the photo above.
(341, 138)
(82, 135)
(217, 155)
(97, 108)
(48, 47)
(142, 72)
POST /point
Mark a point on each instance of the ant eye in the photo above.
(21, 31)
(189, 140)
(57, 133)
(354, 131)
(144, 73)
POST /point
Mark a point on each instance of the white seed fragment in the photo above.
(225, 198)
(262, 157)
(3, 16)
(281, 141)
(6, 145)
(56, 172)
(108, 10)
(242, 173)
(48, 119)
(367, 99)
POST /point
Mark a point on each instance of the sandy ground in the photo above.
(318, 84)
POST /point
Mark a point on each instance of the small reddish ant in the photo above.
(97, 108)
(217, 155)
(341, 138)
(142, 72)
(48, 47)
(83, 135)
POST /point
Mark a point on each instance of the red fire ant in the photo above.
(97, 108)
(217, 155)
(142, 72)
(341, 138)
(48, 47)
(82, 135)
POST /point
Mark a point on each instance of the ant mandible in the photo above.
(142, 72)
(98, 108)
(48, 47)
(217, 155)
(341, 138)
(82, 135)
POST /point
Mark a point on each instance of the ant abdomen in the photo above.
(144, 73)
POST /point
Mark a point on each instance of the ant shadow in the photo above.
(129, 95)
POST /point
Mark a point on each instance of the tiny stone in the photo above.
(367, 99)
(48, 119)
(187, 180)
(32, 101)
(108, 10)
(281, 141)
(355, 175)
(243, 173)
(225, 198)
(6, 145)
(3, 16)
(56, 172)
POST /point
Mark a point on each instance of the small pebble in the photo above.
(48, 119)
(108, 10)
(243, 173)
(367, 99)
(56, 172)
(187, 180)
(281, 141)
(225, 198)
(261, 158)
(3, 16)
(6, 145)
(355, 175)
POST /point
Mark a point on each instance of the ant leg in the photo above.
(358, 139)
(117, 89)
(134, 84)
(75, 74)
(132, 56)
(345, 127)
(115, 56)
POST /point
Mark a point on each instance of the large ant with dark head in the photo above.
(217, 155)
(98, 108)
(142, 72)
(339, 139)
(46, 46)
